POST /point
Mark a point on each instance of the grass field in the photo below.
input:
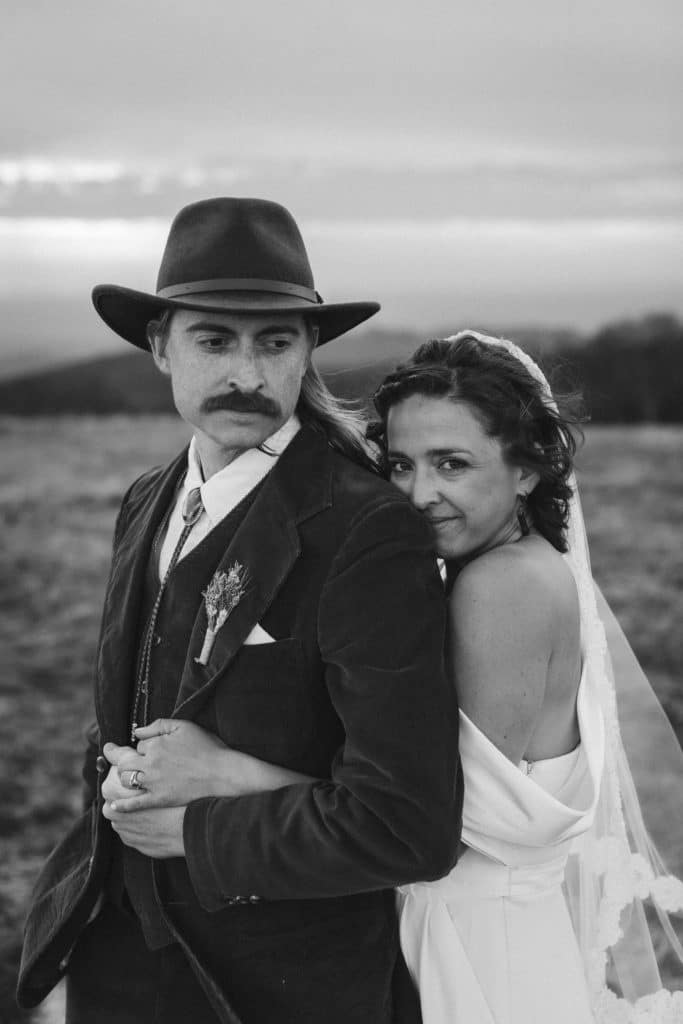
(60, 486)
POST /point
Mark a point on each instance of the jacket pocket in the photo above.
(263, 705)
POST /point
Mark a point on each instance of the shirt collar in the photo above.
(225, 489)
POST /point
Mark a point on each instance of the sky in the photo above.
(464, 164)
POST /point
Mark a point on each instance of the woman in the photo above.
(471, 439)
(471, 434)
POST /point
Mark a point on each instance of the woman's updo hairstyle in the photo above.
(511, 406)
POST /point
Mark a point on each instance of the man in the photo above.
(271, 590)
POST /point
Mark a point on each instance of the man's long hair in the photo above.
(342, 425)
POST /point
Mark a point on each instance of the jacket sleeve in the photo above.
(391, 812)
(89, 771)
(92, 735)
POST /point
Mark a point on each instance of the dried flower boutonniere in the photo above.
(223, 594)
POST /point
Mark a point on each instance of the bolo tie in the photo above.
(191, 512)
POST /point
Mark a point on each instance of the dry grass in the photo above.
(61, 484)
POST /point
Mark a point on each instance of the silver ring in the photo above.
(134, 780)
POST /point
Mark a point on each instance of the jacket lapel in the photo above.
(266, 545)
(117, 654)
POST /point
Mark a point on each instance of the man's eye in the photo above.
(278, 344)
(212, 343)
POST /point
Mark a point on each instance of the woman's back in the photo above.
(516, 648)
(492, 943)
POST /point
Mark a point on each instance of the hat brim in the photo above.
(128, 312)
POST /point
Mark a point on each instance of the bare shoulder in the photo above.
(525, 584)
(508, 610)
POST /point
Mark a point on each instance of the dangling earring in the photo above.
(523, 514)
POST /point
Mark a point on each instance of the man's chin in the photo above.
(231, 429)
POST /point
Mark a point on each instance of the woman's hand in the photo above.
(177, 762)
(174, 763)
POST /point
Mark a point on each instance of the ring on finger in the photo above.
(134, 778)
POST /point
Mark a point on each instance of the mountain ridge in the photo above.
(128, 382)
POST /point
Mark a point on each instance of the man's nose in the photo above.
(423, 491)
(244, 372)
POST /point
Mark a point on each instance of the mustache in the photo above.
(242, 401)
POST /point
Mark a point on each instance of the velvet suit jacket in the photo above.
(353, 691)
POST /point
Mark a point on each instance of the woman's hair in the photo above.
(343, 426)
(512, 407)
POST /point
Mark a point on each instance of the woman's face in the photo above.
(442, 458)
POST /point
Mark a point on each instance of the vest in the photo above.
(130, 879)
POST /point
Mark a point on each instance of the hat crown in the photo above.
(233, 238)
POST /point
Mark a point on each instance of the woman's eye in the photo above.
(452, 465)
(397, 468)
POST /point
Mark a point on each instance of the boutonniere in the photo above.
(223, 594)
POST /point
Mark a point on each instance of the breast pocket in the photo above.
(263, 704)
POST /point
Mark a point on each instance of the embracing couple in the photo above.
(349, 720)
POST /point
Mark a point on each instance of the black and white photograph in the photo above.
(341, 399)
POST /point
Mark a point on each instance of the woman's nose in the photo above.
(422, 491)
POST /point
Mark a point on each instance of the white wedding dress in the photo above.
(492, 942)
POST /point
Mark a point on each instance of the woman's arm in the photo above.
(178, 762)
(242, 773)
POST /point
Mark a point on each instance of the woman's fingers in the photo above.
(130, 761)
(159, 727)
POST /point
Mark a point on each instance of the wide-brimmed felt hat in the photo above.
(230, 255)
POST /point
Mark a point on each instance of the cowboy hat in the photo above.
(230, 256)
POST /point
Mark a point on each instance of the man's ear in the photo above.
(158, 347)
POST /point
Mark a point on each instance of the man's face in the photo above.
(236, 378)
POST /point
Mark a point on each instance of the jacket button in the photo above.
(63, 963)
(156, 640)
(254, 899)
(102, 764)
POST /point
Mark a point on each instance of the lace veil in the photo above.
(618, 889)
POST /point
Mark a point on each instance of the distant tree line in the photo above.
(629, 372)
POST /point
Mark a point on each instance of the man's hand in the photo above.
(157, 833)
(176, 762)
(112, 787)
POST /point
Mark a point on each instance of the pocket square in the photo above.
(258, 635)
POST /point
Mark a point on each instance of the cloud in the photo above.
(529, 183)
(144, 82)
(42, 171)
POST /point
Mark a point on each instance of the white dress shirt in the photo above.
(222, 492)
